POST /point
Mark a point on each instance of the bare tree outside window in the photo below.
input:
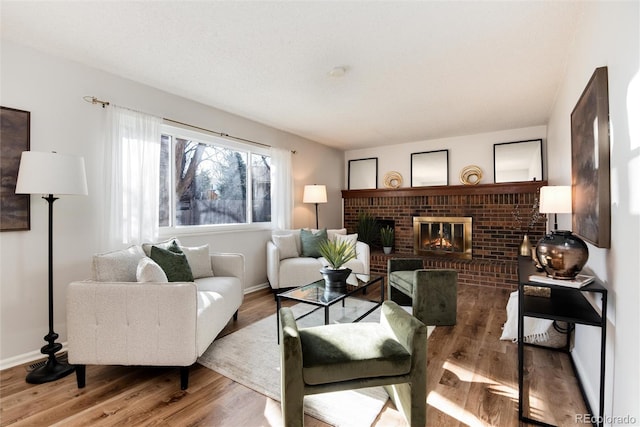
(211, 184)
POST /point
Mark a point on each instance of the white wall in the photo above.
(608, 35)
(52, 90)
(463, 151)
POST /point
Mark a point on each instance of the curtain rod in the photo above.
(94, 100)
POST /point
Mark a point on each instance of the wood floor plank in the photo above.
(471, 380)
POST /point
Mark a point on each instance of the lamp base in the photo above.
(562, 254)
(53, 370)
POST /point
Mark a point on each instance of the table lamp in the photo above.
(315, 194)
(561, 253)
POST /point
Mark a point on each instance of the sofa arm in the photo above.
(228, 265)
(363, 254)
(150, 324)
(273, 265)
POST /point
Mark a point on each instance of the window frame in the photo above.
(215, 140)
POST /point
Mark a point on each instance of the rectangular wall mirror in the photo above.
(363, 174)
(518, 161)
(430, 168)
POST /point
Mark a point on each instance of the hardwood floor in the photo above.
(471, 381)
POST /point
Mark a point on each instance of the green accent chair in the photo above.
(321, 359)
(433, 292)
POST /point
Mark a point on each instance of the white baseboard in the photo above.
(256, 287)
(24, 358)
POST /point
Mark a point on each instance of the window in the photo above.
(207, 180)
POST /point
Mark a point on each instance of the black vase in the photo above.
(335, 279)
(562, 254)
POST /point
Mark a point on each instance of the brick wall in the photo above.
(501, 214)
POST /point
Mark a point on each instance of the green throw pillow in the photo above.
(174, 264)
(311, 242)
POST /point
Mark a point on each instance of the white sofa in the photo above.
(117, 320)
(287, 269)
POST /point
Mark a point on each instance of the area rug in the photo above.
(251, 357)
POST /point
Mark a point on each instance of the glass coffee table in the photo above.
(317, 295)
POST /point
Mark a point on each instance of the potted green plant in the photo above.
(336, 253)
(367, 228)
(386, 238)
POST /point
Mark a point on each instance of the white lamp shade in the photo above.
(51, 173)
(314, 194)
(555, 199)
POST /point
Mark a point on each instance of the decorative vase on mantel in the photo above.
(525, 246)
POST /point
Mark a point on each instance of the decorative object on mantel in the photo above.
(336, 253)
(590, 170)
(471, 175)
(561, 253)
(387, 235)
(48, 174)
(392, 179)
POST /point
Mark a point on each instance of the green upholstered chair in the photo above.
(433, 292)
(321, 359)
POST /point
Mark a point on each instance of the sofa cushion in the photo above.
(149, 271)
(175, 265)
(349, 351)
(299, 271)
(286, 244)
(311, 242)
(199, 260)
(117, 266)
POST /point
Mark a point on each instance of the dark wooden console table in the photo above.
(564, 304)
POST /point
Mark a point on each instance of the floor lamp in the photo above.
(49, 174)
(315, 194)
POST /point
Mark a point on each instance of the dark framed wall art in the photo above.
(590, 174)
(14, 139)
(363, 174)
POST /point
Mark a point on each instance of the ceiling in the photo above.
(415, 70)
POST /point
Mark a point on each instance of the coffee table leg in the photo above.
(326, 315)
(278, 318)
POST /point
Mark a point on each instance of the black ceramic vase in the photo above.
(562, 254)
(335, 279)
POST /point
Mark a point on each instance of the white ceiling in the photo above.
(416, 70)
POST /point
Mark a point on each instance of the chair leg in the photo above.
(184, 377)
(411, 404)
(292, 409)
(235, 316)
(81, 371)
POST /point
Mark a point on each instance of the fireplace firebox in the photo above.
(442, 236)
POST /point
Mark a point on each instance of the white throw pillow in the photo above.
(331, 234)
(149, 271)
(199, 260)
(286, 245)
(350, 238)
(117, 266)
(146, 247)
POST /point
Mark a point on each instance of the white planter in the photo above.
(386, 249)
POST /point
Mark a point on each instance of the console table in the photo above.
(564, 304)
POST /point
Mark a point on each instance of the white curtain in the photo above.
(132, 167)
(281, 188)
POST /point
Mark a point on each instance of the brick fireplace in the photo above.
(500, 213)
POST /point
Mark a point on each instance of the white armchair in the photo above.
(286, 268)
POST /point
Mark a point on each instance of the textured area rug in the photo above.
(251, 357)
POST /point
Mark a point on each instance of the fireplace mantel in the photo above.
(502, 214)
(447, 190)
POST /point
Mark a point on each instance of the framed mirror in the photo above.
(430, 168)
(518, 161)
(363, 174)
